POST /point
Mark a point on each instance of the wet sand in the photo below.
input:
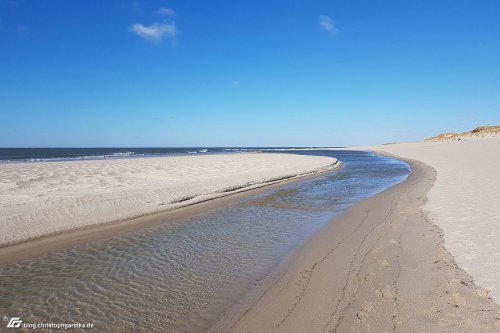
(464, 201)
(183, 273)
(380, 267)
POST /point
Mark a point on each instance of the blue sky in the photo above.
(245, 73)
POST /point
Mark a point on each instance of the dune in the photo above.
(477, 133)
(39, 199)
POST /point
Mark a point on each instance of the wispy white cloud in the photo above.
(328, 24)
(155, 32)
(166, 11)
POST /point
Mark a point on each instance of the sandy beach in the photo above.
(464, 201)
(419, 257)
(250, 167)
(40, 199)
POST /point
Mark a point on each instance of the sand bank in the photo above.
(38, 199)
(379, 267)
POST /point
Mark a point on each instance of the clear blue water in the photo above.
(182, 276)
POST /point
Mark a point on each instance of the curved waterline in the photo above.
(182, 276)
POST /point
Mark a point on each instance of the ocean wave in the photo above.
(78, 158)
(122, 154)
(28, 155)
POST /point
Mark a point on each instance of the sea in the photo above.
(13, 155)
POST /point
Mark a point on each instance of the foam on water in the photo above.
(24, 155)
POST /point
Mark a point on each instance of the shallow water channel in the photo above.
(182, 276)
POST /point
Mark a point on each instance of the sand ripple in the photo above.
(181, 276)
(44, 198)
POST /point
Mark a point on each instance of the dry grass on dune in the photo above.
(478, 132)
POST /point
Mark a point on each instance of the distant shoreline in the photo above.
(33, 155)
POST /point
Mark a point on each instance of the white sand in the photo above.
(37, 199)
(464, 202)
